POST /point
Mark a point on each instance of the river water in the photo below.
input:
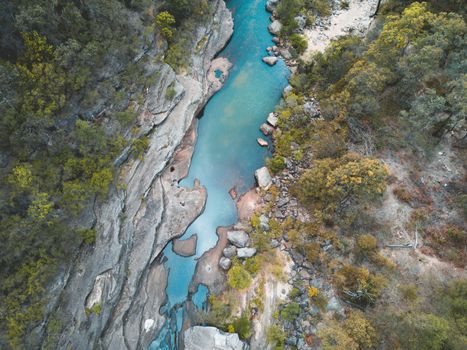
(226, 152)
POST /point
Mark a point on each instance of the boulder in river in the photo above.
(263, 178)
(272, 119)
(225, 263)
(185, 247)
(276, 40)
(229, 251)
(275, 27)
(204, 338)
(238, 238)
(261, 142)
(270, 60)
(246, 252)
(233, 193)
(266, 129)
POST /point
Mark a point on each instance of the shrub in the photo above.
(276, 164)
(290, 312)
(298, 42)
(242, 326)
(165, 22)
(238, 277)
(275, 336)
(360, 330)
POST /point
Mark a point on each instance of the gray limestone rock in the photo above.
(225, 263)
(229, 251)
(266, 129)
(270, 60)
(246, 252)
(272, 119)
(263, 178)
(238, 238)
(275, 27)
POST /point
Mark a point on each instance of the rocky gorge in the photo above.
(111, 295)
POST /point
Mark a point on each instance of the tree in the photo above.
(360, 330)
(165, 22)
(423, 331)
(336, 183)
(334, 337)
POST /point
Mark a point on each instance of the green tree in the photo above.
(165, 22)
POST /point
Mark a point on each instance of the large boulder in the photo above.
(270, 60)
(238, 238)
(246, 252)
(263, 178)
(229, 251)
(275, 27)
(211, 338)
(225, 263)
(272, 119)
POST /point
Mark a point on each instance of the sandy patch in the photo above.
(355, 19)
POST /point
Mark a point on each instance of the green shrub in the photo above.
(238, 277)
(290, 312)
(276, 164)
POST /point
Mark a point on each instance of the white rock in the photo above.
(266, 129)
(275, 27)
(211, 338)
(263, 177)
(246, 252)
(238, 238)
(148, 324)
(272, 119)
(271, 60)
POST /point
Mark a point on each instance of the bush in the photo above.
(238, 277)
(298, 42)
(290, 312)
(275, 336)
(242, 326)
(276, 164)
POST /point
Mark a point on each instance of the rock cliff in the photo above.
(111, 296)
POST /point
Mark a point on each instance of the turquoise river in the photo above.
(226, 152)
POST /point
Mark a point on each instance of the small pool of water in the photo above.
(218, 73)
(226, 153)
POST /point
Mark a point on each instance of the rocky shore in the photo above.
(234, 240)
(111, 296)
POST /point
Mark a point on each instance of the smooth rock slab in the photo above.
(211, 338)
(238, 238)
(185, 247)
(270, 60)
(246, 252)
(263, 177)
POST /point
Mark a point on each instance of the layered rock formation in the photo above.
(111, 296)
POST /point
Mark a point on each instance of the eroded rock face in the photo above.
(123, 272)
(204, 338)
